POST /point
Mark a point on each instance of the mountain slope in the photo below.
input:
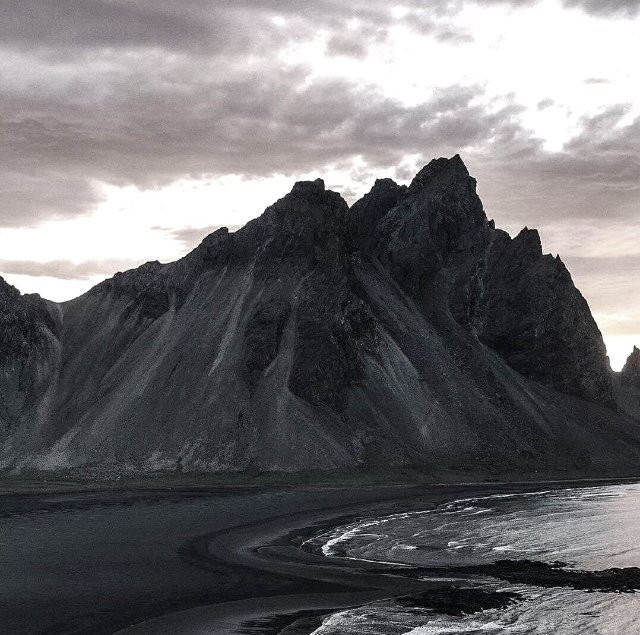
(406, 330)
(626, 385)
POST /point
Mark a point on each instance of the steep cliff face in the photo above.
(626, 385)
(630, 372)
(529, 311)
(29, 351)
(406, 330)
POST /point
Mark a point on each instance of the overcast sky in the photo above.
(129, 129)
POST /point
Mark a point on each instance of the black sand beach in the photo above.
(195, 558)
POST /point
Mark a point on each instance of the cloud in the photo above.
(601, 8)
(180, 123)
(545, 103)
(204, 27)
(348, 45)
(227, 27)
(154, 121)
(65, 269)
(610, 283)
(593, 179)
(191, 237)
(624, 8)
(144, 93)
(193, 25)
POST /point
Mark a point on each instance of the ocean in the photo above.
(587, 529)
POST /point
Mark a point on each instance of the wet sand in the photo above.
(195, 559)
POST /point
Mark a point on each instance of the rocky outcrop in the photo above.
(28, 358)
(406, 330)
(626, 385)
(443, 251)
(630, 372)
(25, 321)
(526, 307)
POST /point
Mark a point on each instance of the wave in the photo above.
(594, 527)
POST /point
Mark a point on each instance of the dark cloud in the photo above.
(65, 269)
(625, 8)
(151, 124)
(429, 22)
(176, 123)
(453, 37)
(602, 8)
(594, 178)
(545, 103)
(96, 23)
(348, 45)
(141, 92)
(198, 26)
(226, 26)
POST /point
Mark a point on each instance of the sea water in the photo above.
(587, 528)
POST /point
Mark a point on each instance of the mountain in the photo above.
(404, 331)
(626, 385)
(630, 372)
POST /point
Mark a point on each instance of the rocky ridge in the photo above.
(404, 331)
(630, 372)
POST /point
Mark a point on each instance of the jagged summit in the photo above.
(442, 170)
(405, 330)
(308, 189)
(529, 239)
(631, 369)
(24, 322)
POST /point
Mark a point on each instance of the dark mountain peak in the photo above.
(307, 225)
(386, 184)
(133, 280)
(308, 189)
(7, 290)
(10, 295)
(24, 320)
(216, 235)
(367, 211)
(308, 205)
(438, 224)
(528, 241)
(406, 330)
(213, 245)
(631, 369)
(442, 172)
(307, 198)
(445, 194)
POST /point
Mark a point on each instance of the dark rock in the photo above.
(630, 372)
(614, 580)
(405, 331)
(333, 326)
(145, 288)
(438, 226)
(263, 333)
(626, 385)
(28, 356)
(24, 322)
(527, 308)
(367, 212)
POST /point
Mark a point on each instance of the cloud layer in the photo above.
(136, 92)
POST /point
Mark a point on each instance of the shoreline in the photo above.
(268, 547)
(36, 483)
